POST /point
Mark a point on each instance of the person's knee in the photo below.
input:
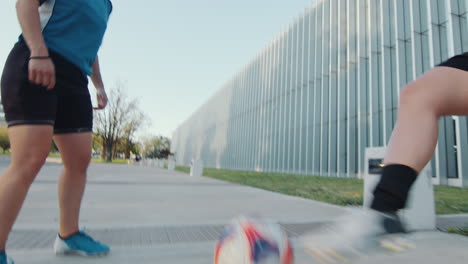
(79, 163)
(410, 93)
(27, 168)
(415, 96)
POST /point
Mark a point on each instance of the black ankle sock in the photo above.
(391, 193)
(67, 237)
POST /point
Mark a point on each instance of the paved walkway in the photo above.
(150, 215)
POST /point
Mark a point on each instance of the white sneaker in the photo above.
(357, 234)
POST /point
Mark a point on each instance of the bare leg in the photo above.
(440, 92)
(30, 146)
(75, 150)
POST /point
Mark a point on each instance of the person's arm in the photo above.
(41, 67)
(96, 78)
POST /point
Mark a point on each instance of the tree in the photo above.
(129, 131)
(156, 147)
(118, 121)
(97, 143)
(4, 140)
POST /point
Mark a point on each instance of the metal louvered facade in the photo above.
(327, 87)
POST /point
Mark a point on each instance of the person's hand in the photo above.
(42, 72)
(101, 98)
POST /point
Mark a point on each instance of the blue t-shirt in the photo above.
(75, 28)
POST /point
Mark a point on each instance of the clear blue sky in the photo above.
(173, 55)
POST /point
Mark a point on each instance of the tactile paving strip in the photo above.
(138, 236)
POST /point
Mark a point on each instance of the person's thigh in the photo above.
(74, 117)
(75, 149)
(30, 146)
(73, 130)
(444, 89)
(449, 83)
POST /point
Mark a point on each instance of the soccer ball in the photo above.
(248, 240)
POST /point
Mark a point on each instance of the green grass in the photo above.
(115, 161)
(339, 191)
(93, 160)
(462, 231)
(183, 169)
(330, 190)
(451, 200)
(51, 154)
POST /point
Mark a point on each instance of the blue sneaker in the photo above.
(4, 259)
(80, 244)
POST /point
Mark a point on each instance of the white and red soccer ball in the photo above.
(249, 240)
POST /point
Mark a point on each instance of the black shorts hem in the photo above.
(73, 130)
(30, 122)
(458, 62)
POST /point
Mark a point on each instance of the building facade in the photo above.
(327, 87)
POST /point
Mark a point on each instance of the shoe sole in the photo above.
(81, 253)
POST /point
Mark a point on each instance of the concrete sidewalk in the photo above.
(150, 215)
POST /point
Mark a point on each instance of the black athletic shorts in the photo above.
(458, 62)
(67, 107)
